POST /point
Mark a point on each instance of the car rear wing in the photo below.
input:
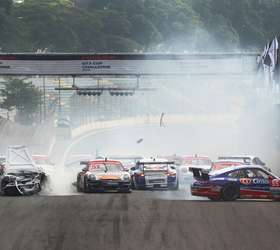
(200, 174)
(156, 162)
(84, 162)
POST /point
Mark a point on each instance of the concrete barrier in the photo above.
(142, 120)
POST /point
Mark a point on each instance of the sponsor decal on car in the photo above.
(245, 181)
(109, 177)
(276, 183)
(248, 181)
(260, 181)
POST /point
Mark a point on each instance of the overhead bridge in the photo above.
(122, 64)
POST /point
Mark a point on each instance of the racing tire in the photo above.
(133, 183)
(11, 192)
(85, 189)
(176, 187)
(230, 193)
(126, 190)
(78, 186)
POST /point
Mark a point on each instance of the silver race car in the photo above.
(20, 175)
(154, 173)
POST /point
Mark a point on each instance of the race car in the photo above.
(20, 175)
(220, 164)
(154, 173)
(190, 162)
(176, 158)
(238, 182)
(103, 175)
(197, 162)
(128, 161)
(245, 159)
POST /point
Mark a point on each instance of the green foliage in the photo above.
(23, 97)
(137, 25)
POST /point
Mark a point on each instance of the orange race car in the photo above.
(103, 175)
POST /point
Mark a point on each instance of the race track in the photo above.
(136, 221)
(151, 220)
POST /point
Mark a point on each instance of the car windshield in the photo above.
(106, 167)
(197, 161)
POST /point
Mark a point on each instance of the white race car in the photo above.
(154, 173)
(21, 176)
(190, 162)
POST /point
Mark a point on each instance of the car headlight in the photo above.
(92, 177)
(126, 177)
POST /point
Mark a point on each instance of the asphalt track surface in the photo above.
(136, 221)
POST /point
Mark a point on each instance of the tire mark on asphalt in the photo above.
(167, 218)
(151, 221)
(110, 203)
(116, 232)
(124, 202)
(18, 242)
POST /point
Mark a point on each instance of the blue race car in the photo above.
(154, 173)
(238, 182)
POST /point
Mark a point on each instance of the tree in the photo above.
(6, 5)
(23, 97)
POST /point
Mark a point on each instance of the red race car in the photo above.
(217, 165)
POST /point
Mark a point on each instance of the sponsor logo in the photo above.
(260, 181)
(248, 181)
(276, 183)
(245, 181)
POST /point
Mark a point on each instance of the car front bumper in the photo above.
(101, 185)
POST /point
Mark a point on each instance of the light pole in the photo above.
(59, 98)
(44, 99)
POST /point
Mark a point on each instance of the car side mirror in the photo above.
(84, 169)
(133, 169)
(172, 167)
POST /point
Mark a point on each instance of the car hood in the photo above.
(22, 170)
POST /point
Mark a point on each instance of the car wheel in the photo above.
(230, 193)
(176, 187)
(79, 184)
(10, 192)
(133, 183)
(126, 190)
(85, 189)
